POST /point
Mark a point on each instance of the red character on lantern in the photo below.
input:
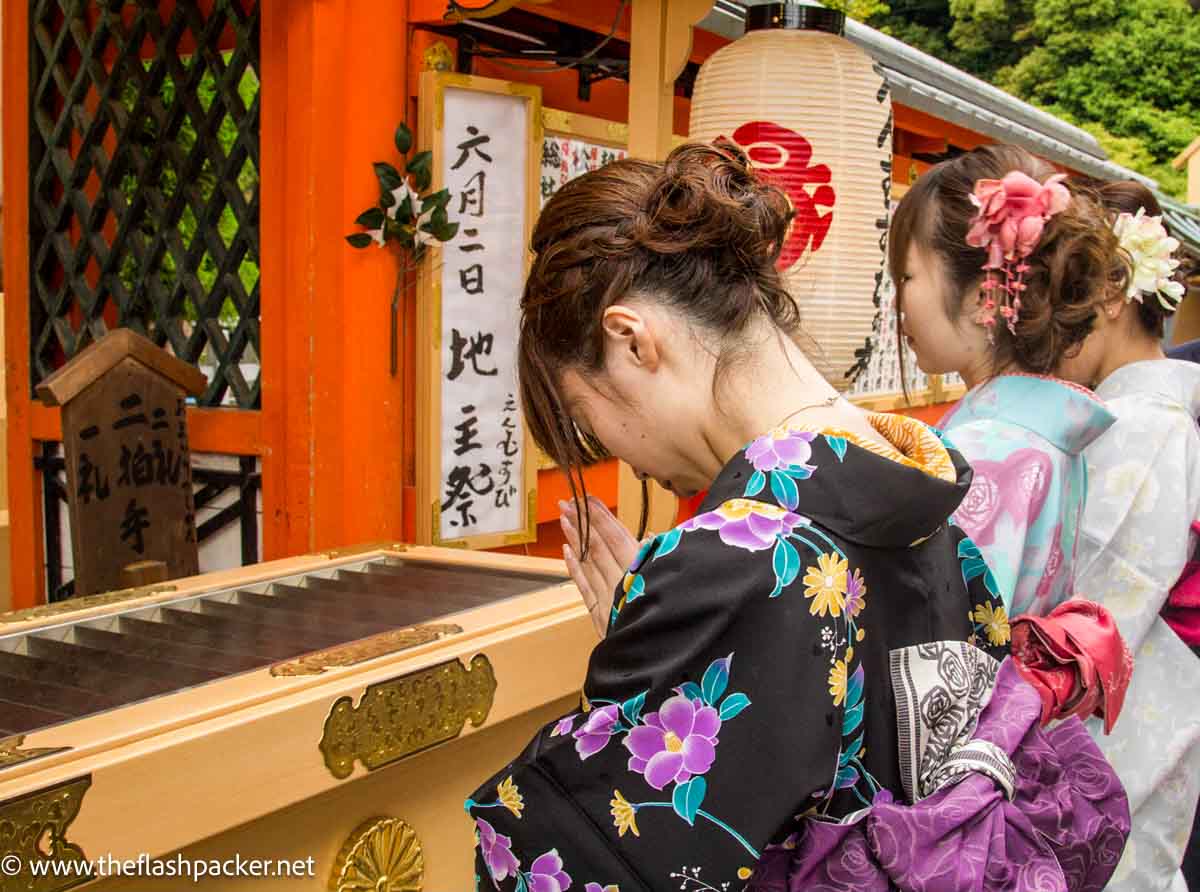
(783, 157)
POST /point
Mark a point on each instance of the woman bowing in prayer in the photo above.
(805, 685)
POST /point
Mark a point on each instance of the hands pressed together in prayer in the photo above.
(611, 550)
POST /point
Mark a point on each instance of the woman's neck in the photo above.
(1123, 351)
(777, 385)
(982, 371)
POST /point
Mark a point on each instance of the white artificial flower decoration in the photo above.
(400, 193)
(421, 235)
(1149, 247)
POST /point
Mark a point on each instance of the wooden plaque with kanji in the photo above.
(129, 472)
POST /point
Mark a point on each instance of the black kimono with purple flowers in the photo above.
(744, 680)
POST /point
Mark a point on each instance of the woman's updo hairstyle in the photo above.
(1074, 267)
(699, 233)
(1127, 197)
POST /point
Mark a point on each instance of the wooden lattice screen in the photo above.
(144, 183)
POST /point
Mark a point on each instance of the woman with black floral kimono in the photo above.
(804, 686)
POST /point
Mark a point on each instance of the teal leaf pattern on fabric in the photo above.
(732, 705)
(784, 488)
(786, 563)
(851, 719)
(716, 678)
(643, 553)
(852, 752)
(838, 445)
(687, 799)
(632, 708)
(691, 690)
(847, 777)
(635, 588)
(854, 687)
(667, 542)
(757, 481)
(974, 565)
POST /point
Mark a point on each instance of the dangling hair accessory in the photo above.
(1149, 247)
(1012, 213)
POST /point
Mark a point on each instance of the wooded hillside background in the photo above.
(1128, 71)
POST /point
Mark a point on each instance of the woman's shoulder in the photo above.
(1156, 404)
(1009, 409)
(749, 555)
(735, 550)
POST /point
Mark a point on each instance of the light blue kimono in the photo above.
(1024, 436)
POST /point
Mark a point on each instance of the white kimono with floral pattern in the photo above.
(1143, 494)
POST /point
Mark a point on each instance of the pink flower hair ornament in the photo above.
(1012, 214)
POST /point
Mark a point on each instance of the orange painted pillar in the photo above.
(24, 484)
(334, 411)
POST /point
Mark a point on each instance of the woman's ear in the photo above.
(1114, 307)
(630, 337)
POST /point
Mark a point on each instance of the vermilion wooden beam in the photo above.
(24, 484)
(906, 142)
(278, 282)
(905, 118)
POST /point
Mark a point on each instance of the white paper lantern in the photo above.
(813, 112)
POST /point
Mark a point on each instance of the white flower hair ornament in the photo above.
(1150, 249)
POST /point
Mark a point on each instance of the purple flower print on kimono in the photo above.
(496, 849)
(747, 524)
(675, 743)
(782, 449)
(547, 875)
(593, 735)
(781, 458)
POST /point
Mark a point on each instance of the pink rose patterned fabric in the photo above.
(1024, 436)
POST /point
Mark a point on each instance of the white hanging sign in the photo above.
(478, 466)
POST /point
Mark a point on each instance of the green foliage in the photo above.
(860, 10)
(1127, 66)
(921, 24)
(404, 216)
(145, 132)
(1131, 152)
(990, 35)
(403, 139)
(1125, 70)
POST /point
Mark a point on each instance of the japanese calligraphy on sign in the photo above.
(129, 471)
(566, 157)
(477, 467)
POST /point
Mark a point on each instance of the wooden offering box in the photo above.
(337, 708)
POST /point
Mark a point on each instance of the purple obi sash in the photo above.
(999, 804)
